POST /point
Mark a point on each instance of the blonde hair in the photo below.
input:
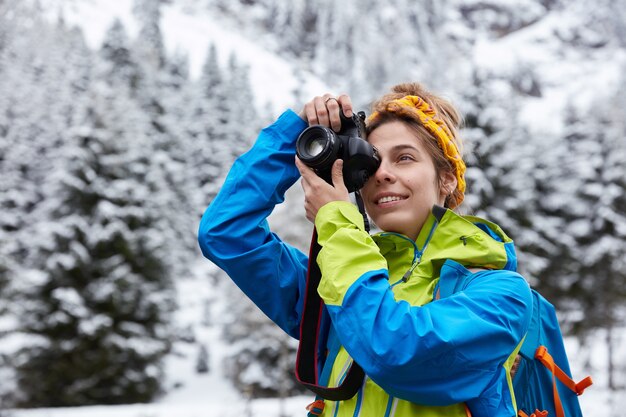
(430, 117)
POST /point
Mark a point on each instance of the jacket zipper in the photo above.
(417, 254)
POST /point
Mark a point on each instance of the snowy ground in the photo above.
(215, 407)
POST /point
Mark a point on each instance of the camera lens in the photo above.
(317, 147)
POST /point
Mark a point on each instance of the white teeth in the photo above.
(388, 199)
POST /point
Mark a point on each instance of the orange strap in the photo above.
(315, 408)
(546, 359)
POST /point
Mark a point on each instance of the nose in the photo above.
(384, 174)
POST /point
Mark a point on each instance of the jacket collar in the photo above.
(468, 240)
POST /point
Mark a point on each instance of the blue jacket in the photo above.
(421, 357)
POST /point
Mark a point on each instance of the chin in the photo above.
(393, 227)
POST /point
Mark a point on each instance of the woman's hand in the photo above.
(325, 110)
(318, 192)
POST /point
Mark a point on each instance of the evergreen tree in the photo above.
(497, 177)
(222, 122)
(119, 64)
(261, 357)
(211, 76)
(200, 120)
(34, 107)
(202, 362)
(100, 300)
(241, 109)
(47, 75)
(149, 43)
(20, 97)
(7, 323)
(596, 214)
(155, 95)
(582, 215)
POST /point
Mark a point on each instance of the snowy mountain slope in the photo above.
(193, 35)
(573, 76)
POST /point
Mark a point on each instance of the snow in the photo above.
(210, 394)
(219, 407)
(567, 78)
(203, 394)
(193, 34)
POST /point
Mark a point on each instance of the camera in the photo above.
(319, 147)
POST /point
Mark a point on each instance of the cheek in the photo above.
(369, 206)
(426, 185)
(366, 191)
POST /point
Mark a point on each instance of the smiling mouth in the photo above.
(389, 199)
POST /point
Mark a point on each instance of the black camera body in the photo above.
(319, 147)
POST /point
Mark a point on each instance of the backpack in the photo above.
(542, 384)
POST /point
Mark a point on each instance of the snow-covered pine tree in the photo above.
(158, 88)
(596, 213)
(241, 108)
(149, 46)
(491, 133)
(29, 131)
(7, 323)
(47, 72)
(261, 357)
(118, 63)
(40, 84)
(510, 175)
(99, 294)
(222, 121)
(203, 121)
(581, 216)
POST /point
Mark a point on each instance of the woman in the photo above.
(422, 356)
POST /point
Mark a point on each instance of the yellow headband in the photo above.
(413, 106)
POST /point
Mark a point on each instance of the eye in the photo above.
(406, 157)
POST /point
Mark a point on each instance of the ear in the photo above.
(447, 185)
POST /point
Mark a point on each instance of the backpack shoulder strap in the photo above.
(541, 351)
(543, 333)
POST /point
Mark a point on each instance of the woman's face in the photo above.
(402, 192)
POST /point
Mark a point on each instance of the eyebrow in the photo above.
(398, 148)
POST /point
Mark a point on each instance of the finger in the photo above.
(321, 111)
(310, 113)
(346, 104)
(304, 184)
(306, 172)
(332, 104)
(307, 208)
(337, 174)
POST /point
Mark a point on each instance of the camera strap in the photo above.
(361, 206)
(310, 348)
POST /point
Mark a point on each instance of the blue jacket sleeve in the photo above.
(235, 235)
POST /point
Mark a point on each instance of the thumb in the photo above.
(337, 173)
